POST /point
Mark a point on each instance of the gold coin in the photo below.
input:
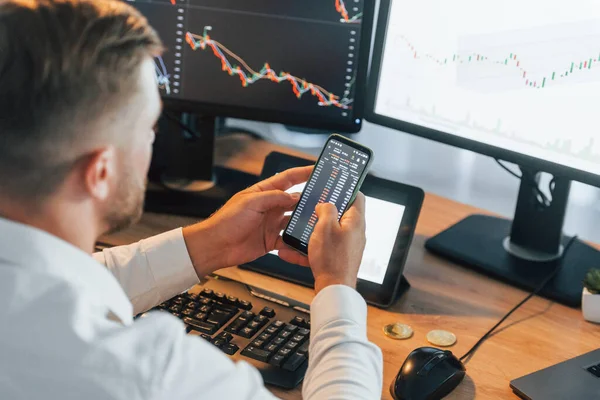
(398, 331)
(441, 338)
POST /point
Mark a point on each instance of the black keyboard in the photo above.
(267, 330)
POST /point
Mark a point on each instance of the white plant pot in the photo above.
(590, 305)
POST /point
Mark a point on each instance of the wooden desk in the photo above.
(443, 296)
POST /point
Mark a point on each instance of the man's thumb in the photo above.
(326, 212)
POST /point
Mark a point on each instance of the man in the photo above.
(78, 103)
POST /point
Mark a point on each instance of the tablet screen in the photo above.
(383, 221)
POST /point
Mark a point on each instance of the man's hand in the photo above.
(247, 227)
(335, 248)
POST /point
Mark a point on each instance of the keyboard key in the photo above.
(244, 305)
(175, 308)
(231, 300)
(230, 348)
(192, 296)
(177, 300)
(200, 326)
(300, 322)
(236, 325)
(261, 319)
(285, 334)
(277, 360)
(268, 312)
(272, 329)
(254, 324)
(256, 354)
(291, 328)
(218, 317)
(248, 315)
(265, 337)
(219, 297)
(205, 309)
(303, 332)
(294, 362)
(284, 352)
(189, 312)
(279, 324)
(218, 342)
(304, 348)
(292, 345)
(278, 341)
(299, 338)
(227, 337)
(205, 301)
(247, 332)
(258, 343)
(272, 348)
(201, 316)
(205, 336)
(207, 293)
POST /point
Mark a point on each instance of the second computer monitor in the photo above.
(300, 62)
(514, 80)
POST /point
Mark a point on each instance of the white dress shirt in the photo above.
(67, 332)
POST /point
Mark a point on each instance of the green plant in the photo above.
(592, 281)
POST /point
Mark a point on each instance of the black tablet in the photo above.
(392, 211)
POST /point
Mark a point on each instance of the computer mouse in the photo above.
(427, 374)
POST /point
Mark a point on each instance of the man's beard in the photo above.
(127, 206)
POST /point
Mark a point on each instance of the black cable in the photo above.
(543, 200)
(525, 300)
(182, 125)
(510, 171)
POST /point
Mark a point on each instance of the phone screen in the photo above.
(334, 179)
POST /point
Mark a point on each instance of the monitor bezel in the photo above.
(292, 118)
(526, 161)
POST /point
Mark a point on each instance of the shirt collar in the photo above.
(27, 247)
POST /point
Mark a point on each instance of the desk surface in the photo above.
(442, 296)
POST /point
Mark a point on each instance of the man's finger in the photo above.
(284, 180)
(286, 253)
(356, 213)
(285, 220)
(327, 214)
(266, 201)
(293, 257)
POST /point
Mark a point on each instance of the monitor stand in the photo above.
(183, 179)
(524, 251)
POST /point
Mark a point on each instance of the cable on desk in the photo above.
(525, 300)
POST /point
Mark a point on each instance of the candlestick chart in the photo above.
(249, 76)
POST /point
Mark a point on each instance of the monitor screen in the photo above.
(383, 221)
(295, 61)
(519, 77)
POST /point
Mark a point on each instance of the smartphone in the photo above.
(337, 178)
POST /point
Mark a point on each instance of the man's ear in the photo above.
(100, 173)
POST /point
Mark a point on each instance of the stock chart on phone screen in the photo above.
(288, 55)
(519, 75)
(336, 175)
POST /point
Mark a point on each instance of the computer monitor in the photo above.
(295, 62)
(299, 62)
(517, 81)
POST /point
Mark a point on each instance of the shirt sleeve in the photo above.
(343, 364)
(154, 359)
(152, 270)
